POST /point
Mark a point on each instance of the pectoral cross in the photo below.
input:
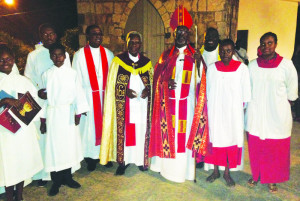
(134, 65)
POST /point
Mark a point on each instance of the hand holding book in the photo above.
(11, 102)
(23, 110)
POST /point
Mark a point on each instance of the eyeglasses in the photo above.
(6, 60)
(48, 34)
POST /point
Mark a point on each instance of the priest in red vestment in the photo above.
(177, 132)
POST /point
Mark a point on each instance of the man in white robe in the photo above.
(127, 103)
(65, 103)
(38, 61)
(91, 63)
(210, 49)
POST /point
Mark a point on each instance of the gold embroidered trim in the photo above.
(131, 69)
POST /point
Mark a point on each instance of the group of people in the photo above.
(192, 107)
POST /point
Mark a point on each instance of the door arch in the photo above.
(145, 19)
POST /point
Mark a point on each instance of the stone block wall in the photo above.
(112, 15)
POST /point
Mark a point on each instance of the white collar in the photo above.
(134, 58)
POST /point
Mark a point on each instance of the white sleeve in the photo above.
(77, 67)
(246, 84)
(29, 69)
(110, 56)
(67, 60)
(81, 104)
(291, 81)
(44, 103)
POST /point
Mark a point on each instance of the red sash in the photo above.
(95, 87)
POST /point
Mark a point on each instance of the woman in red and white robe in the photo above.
(268, 118)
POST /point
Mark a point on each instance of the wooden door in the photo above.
(145, 19)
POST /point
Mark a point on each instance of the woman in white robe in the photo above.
(269, 120)
(20, 156)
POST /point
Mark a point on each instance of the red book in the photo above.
(8, 122)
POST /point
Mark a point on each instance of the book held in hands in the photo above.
(9, 117)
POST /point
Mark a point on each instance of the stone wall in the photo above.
(112, 16)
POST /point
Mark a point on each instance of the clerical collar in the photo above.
(94, 47)
(134, 58)
(181, 49)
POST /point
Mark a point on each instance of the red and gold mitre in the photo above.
(181, 17)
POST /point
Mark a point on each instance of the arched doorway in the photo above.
(145, 19)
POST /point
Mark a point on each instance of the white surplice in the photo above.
(226, 93)
(20, 156)
(268, 115)
(38, 61)
(65, 98)
(87, 124)
(211, 57)
(182, 167)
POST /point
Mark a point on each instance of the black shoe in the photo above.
(108, 165)
(91, 164)
(54, 190)
(73, 184)
(141, 168)
(121, 169)
(200, 165)
(41, 183)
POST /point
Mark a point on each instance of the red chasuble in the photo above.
(162, 138)
(95, 87)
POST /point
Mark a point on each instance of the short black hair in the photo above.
(57, 46)
(5, 49)
(90, 27)
(45, 26)
(211, 29)
(227, 42)
(269, 34)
